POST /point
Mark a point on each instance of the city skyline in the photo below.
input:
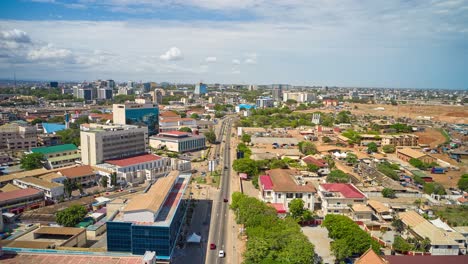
(405, 44)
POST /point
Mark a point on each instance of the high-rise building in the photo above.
(111, 84)
(53, 84)
(264, 102)
(157, 95)
(300, 97)
(200, 89)
(105, 93)
(16, 136)
(141, 112)
(105, 142)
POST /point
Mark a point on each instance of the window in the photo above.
(279, 195)
(436, 246)
(449, 247)
(310, 195)
(289, 195)
(298, 195)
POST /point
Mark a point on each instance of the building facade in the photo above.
(105, 142)
(406, 154)
(52, 191)
(338, 198)
(16, 136)
(59, 156)
(178, 141)
(85, 175)
(300, 97)
(140, 112)
(176, 123)
(264, 102)
(200, 89)
(400, 140)
(22, 200)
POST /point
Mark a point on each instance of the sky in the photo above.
(354, 43)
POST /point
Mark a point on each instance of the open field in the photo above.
(430, 136)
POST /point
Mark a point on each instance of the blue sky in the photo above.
(367, 43)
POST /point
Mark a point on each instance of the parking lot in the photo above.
(318, 236)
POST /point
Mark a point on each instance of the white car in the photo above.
(221, 254)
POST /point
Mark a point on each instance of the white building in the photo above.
(52, 190)
(279, 187)
(264, 102)
(178, 141)
(300, 97)
(339, 198)
(175, 123)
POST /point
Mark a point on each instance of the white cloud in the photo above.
(15, 35)
(210, 59)
(49, 52)
(236, 62)
(251, 59)
(172, 54)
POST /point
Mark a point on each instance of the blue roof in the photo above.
(247, 106)
(50, 128)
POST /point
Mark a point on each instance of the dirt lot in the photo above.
(430, 136)
(448, 179)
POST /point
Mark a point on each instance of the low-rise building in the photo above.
(279, 187)
(17, 136)
(176, 123)
(22, 200)
(406, 154)
(442, 242)
(361, 212)
(178, 141)
(338, 198)
(59, 156)
(51, 190)
(83, 174)
(400, 140)
(380, 210)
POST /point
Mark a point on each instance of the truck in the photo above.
(437, 170)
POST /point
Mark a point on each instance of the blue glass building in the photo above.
(136, 113)
(200, 89)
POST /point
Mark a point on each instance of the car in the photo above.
(226, 200)
(221, 254)
(212, 246)
(225, 167)
(131, 191)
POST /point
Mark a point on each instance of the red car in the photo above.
(212, 246)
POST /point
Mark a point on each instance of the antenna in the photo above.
(14, 77)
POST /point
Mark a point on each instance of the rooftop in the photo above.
(9, 187)
(285, 181)
(370, 257)
(7, 196)
(54, 149)
(64, 258)
(265, 182)
(40, 182)
(361, 208)
(411, 153)
(427, 259)
(378, 206)
(175, 119)
(133, 160)
(345, 189)
(314, 161)
(50, 128)
(78, 171)
(66, 157)
(50, 176)
(65, 231)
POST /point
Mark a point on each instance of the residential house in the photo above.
(380, 210)
(338, 198)
(406, 154)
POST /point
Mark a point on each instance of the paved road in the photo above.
(218, 232)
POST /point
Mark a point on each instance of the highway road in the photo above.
(219, 217)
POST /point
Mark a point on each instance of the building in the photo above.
(406, 154)
(300, 97)
(105, 93)
(338, 198)
(380, 210)
(279, 187)
(47, 140)
(264, 102)
(442, 242)
(178, 141)
(400, 140)
(200, 89)
(52, 128)
(84, 175)
(152, 221)
(138, 169)
(140, 112)
(86, 93)
(59, 156)
(176, 123)
(52, 191)
(425, 259)
(330, 102)
(22, 200)
(361, 212)
(157, 96)
(105, 142)
(370, 257)
(17, 137)
(309, 160)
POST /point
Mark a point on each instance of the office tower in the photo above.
(141, 112)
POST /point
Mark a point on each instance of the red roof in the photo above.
(6, 196)
(266, 182)
(346, 189)
(133, 160)
(279, 208)
(311, 160)
(78, 171)
(176, 133)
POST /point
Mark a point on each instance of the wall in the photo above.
(79, 240)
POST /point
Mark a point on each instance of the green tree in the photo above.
(113, 179)
(338, 176)
(291, 102)
(246, 138)
(194, 116)
(351, 158)
(433, 187)
(56, 119)
(70, 136)
(96, 111)
(372, 147)
(312, 167)
(416, 163)
(210, 136)
(71, 216)
(388, 148)
(245, 165)
(104, 181)
(388, 193)
(401, 245)
(398, 225)
(463, 183)
(36, 121)
(307, 148)
(185, 129)
(326, 140)
(343, 117)
(32, 161)
(278, 164)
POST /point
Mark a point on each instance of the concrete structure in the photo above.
(330, 102)
(59, 156)
(442, 242)
(140, 168)
(152, 221)
(105, 93)
(174, 124)
(59, 236)
(22, 200)
(361, 212)
(141, 112)
(52, 191)
(17, 136)
(105, 142)
(83, 174)
(178, 141)
(279, 187)
(338, 197)
(380, 210)
(200, 89)
(400, 140)
(264, 102)
(300, 97)
(406, 154)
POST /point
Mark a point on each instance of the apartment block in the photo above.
(16, 136)
(400, 140)
(59, 156)
(106, 142)
(173, 124)
(300, 97)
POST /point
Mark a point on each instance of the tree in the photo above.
(56, 119)
(434, 187)
(463, 183)
(312, 167)
(36, 121)
(32, 161)
(401, 245)
(96, 111)
(291, 102)
(296, 207)
(185, 129)
(210, 136)
(194, 116)
(388, 148)
(372, 147)
(71, 216)
(416, 163)
(104, 181)
(70, 136)
(388, 193)
(307, 148)
(351, 158)
(338, 176)
(326, 140)
(246, 138)
(245, 165)
(113, 179)
(278, 164)
(343, 117)
(398, 225)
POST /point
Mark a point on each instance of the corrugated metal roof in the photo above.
(54, 149)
